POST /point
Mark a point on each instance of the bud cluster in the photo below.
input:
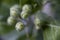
(15, 14)
(24, 12)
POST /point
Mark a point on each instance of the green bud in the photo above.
(25, 14)
(14, 7)
(19, 26)
(14, 10)
(27, 7)
(14, 13)
(11, 20)
(37, 21)
(37, 27)
(26, 11)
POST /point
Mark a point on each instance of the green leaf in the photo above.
(52, 33)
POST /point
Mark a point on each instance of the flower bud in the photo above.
(37, 21)
(24, 14)
(11, 20)
(14, 11)
(19, 26)
(27, 7)
(37, 27)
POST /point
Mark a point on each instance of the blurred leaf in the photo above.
(4, 28)
(11, 2)
(52, 33)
